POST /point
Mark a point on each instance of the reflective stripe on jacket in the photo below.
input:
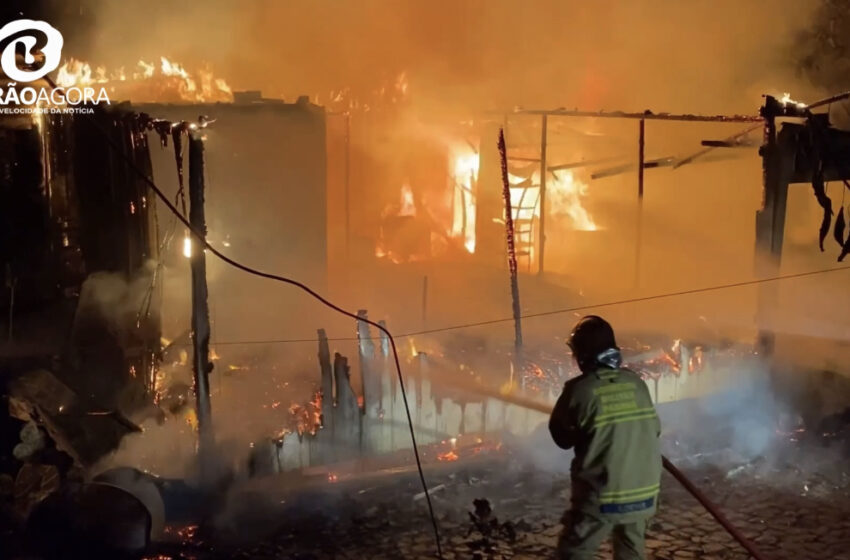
(609, 418)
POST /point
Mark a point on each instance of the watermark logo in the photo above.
(52, 50)
(39, 100)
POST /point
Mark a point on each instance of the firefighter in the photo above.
(606, 415)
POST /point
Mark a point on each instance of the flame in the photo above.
(465, 176)
(786, 99)
(405, 207)
(447, 456)
(308, 418)
(75, 73)
(149, 82)
(408, 205)
(345, 100)
(564, 196)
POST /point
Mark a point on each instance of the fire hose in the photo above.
(709, 506)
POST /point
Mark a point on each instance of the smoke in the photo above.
(694, 56)
(121, 304)
(469, 60)
(743, 419)
(750, 425)
(465, 59)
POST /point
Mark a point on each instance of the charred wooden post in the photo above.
(366, 347)
(770, 223)
(641, 152)
(542, 232)
(641, 144)
(346, 434)
(509, 228)
(327, 385)
(386, 407)
(370, 382)
(347, 185)
(200, 309)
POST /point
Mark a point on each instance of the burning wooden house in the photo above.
(80, 322)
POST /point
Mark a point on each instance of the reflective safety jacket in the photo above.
(609, 418)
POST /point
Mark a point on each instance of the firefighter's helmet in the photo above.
(591, 340)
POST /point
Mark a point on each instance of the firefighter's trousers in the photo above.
(583, 534)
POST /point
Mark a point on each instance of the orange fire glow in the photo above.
(308, 418)
(447, 456)
(408, 205)
(464, 177)
(345, 100)
(168, 81)
(564, 197)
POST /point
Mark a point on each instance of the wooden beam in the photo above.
(542, 232)
(648, 115)
(200, 308)
(511, 245)
(639, 224)
(700, 153)
(641, 144)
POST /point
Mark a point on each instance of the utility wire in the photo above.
(558, 311)
(202, 240)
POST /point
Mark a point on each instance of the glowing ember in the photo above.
(447, 456)
(149, 82)
(307, 418)
(185, 534)
(187, 246)
(192, 419)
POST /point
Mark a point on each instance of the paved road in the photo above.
(795, 506)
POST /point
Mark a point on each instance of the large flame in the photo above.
(464, 177)
(564, 197)
(168, 81)
(408, 204)
(345, 100)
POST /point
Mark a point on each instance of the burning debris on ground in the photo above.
(179, 248)
(506, 507)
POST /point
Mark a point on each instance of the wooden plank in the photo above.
(541, 244)
(202, 366)
(327, 387)
(347, 412)
(648, 115)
